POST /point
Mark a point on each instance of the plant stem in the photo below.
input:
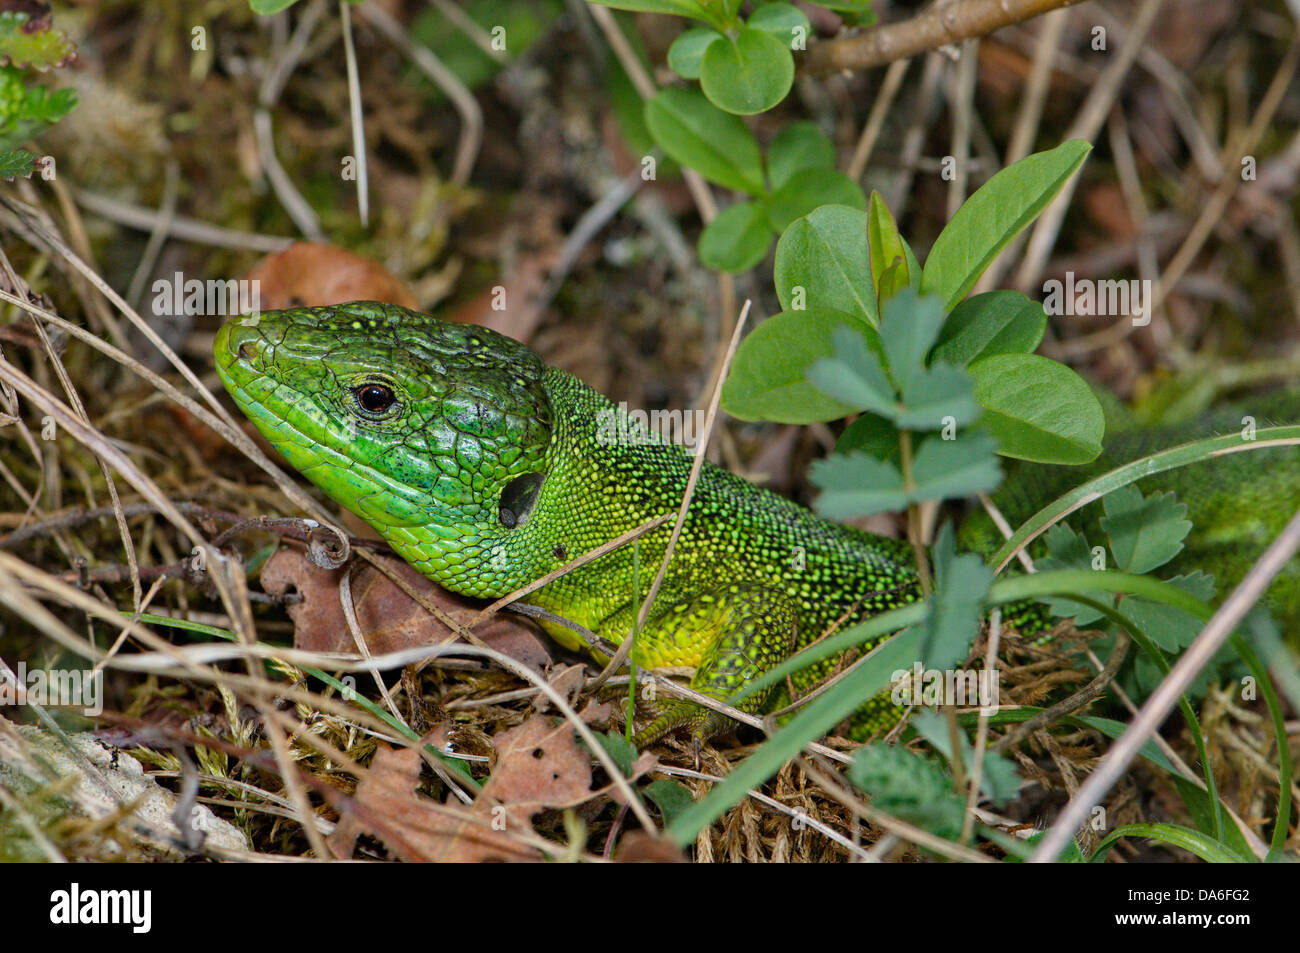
(914, 514)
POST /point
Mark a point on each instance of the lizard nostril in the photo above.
(245, 342)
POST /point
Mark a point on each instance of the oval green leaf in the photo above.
(747, 74)
(768, 376)
(688, 49)
(993, 216)
(821, 262)
(1039, 409)
(782, 20)
(997, 322)
(698, 134)
(737, 239)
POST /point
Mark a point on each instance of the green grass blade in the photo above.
(1178, 836)
(1282, 824)
(869, 677)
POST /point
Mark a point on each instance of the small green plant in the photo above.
(797, 176)
(941, 385)
(744, 65)
(27, 110)
(867, 329)
(28, 40)
(1144, 534)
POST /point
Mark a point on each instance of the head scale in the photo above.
(406, 420)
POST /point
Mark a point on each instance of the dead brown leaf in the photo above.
(539, 766)
(417, 829)
(388, 618)
(307, 274)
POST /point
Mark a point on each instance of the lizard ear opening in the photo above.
(517, 499)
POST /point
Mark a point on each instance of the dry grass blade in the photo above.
(471, 136)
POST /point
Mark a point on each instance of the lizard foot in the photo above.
(703, 723)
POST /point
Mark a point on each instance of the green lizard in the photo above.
(486, 469)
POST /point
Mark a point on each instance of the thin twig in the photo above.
(961, 96)
(1067, 706)
(645, 87)
(1085, 126)
(585, 229)
(179, 226)
(74, 400)
(467, 25)
(914, 137)
(944, 23)
(359, 640)
(297, 207)
(1004, 528)
(1234, 152)
(1030, 113)
(802, 817)
(277, 75)
(1028, 118)
(889, 88)
(1257, 846)
(152, 248)
(218, 418)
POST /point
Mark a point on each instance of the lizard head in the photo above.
(435, 433)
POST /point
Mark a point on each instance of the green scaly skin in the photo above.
(753, 577)
(478, 422)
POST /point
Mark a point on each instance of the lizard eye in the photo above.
(374, 398)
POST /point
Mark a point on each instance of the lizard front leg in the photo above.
(730, 635)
